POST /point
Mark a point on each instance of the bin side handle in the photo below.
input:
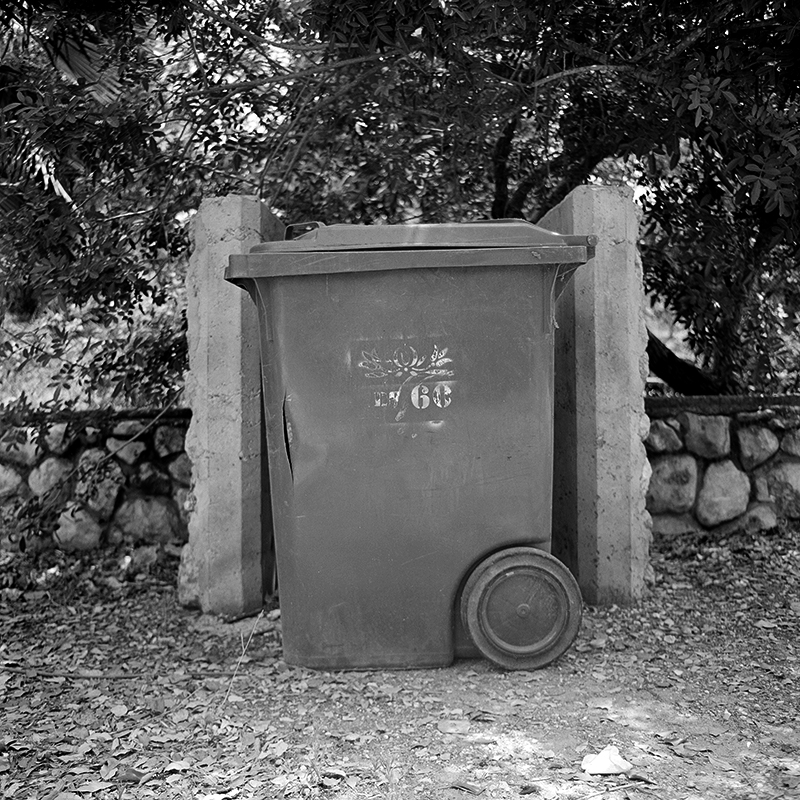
(561, 278)
(288, 435)
(564, 275)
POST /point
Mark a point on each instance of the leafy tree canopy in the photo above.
(118, 117)
(699, 98)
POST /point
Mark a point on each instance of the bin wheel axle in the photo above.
(521, 607)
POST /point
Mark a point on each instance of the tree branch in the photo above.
(538, 83)
(502, 150)
(228, 90)
(678, 374)
(574, 173)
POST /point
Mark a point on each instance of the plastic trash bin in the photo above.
(408, 385)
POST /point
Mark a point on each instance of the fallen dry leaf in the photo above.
(607, 762)
(453, 725)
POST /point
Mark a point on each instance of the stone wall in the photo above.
(717, 463)
(723, 463)
(93, 479)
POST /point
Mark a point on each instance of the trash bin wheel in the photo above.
(522, 607)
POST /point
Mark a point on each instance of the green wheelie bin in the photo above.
(408, 389)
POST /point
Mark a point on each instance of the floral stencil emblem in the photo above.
(406, 363)
(411, 369)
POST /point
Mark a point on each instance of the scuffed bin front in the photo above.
(408, 380)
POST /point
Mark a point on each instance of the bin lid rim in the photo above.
(480, 234)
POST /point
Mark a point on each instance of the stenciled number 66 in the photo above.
(422, 395)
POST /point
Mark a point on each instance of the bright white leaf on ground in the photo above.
(453, 725)
(607, 762)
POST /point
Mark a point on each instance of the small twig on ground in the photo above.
(245, 645)
(606, 791)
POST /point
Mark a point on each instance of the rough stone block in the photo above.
(759, 517)
(144, 558)
(48, 474)
(114, 536)
(56, 439)
(791, 443)
(126, 451)
(149, 519)
(724, 494)
(169, 440)
(662, 438)
(673, 484)
(181, 469)
(92, 435)
(184, 502)
(10, 481)
(128, 428)
(784, 485)
(762, 492)
(77, 529)
(756, 445)
(152, 480)
(667, 525)
(99, 482)
(707, 436)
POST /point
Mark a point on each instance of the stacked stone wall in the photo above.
(720, 464)
(723, 464)
(91, 479)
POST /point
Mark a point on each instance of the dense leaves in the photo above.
(701, 99)
(115, 125)
(81, 162)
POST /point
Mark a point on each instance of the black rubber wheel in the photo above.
(522, 607)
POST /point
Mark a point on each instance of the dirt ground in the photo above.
(110, 690)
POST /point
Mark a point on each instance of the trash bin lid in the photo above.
(353, 248)
(483, 233)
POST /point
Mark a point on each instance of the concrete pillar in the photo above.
(601, 529)
(221, 566)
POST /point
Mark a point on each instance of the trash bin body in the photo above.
(408, 394)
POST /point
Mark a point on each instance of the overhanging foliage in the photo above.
(403, 110)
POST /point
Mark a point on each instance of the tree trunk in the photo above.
(678, 374)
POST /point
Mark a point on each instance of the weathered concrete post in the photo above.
(601, 529)
(221, 566)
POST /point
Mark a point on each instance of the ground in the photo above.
(110, 690)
